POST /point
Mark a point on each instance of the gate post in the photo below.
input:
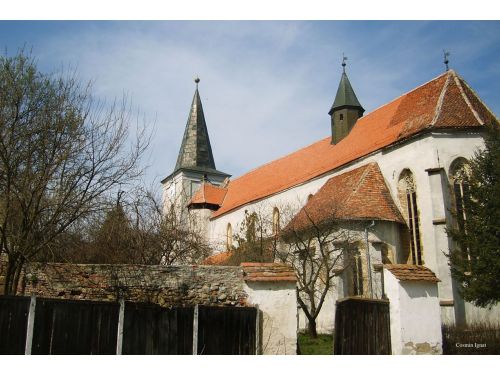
(257, 330)
(30, 326)
(195, 331)
(119, 336)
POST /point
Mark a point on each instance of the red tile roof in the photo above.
(268, 272)
(210, 194)
(445, 102)
(360, 194)
(410, 272)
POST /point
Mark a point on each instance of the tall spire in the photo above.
(346, 108)
(345, 94)
(196, 151)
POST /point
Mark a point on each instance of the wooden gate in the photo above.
(362, 326)
(226, 330)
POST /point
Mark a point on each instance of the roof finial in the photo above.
(344, 59)
(197, 80)
(446, 61)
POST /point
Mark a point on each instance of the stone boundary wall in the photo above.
(166, 286)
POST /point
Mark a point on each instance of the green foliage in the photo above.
(475, 261)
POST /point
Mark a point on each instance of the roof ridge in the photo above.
(406, 93)
(467, 101)
(439, 104)
(462, 80)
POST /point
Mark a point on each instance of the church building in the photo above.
(394, 174)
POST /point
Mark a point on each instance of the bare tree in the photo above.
(318, 247)
(165, 236)
(257, 238)
(132, 230)
(61, 153)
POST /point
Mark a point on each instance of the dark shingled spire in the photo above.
(345, 96)
(195, 152)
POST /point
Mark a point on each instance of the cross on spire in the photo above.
(446, 61)
(344, 59)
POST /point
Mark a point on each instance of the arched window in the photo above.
(229, 237)
(355, 275)
(276, 221)
(459, 171)
(407, 191)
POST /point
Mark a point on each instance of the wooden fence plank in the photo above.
(13, 324)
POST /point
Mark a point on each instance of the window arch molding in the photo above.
(407, 194)
(460, 193)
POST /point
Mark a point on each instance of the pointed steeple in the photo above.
(345, 96)
(196, 152)
(346, 108)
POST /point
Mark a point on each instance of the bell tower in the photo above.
(195, 162)
(346, 109)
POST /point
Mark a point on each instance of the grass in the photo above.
(320, 346)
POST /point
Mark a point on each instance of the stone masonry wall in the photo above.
(163, 285)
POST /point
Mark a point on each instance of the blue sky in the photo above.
(266, 86)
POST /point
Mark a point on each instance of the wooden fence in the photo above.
(75, 327)
(362, 326)
(56, 326)
(13, 323)
(150, 329)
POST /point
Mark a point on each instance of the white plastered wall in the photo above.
(277, 302)
(415, 316)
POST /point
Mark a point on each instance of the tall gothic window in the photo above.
(276, 221)
(408, 198)
(229, 237)
(459, 170)
(355, 274)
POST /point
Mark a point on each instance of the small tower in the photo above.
(195, 162)
(345, 109)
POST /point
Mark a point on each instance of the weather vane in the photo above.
(344, 59)
(446, 61)
(197, 80)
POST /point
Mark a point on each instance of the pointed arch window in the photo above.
(459, 171)
(408, 199)
(355, 277)
(229, 237)
(276, 221)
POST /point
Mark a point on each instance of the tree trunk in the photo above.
(12, 276)
(311, 327)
